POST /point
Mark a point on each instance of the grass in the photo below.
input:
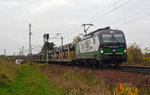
(8, 71)
(76, 82)
(52, 80)
(25, 81)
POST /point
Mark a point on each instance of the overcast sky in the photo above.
(66, 17)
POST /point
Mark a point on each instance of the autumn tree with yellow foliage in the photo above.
(76, 39)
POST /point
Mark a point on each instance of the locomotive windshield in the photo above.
(119, 37)
(107, 37)
(113, 38)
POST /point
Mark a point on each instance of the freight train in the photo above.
(102, 47)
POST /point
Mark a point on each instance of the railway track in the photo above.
(136, 69)
(132, 69)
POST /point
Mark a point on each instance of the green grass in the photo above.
(31, 82)
(8, 71)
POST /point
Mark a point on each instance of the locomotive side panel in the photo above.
(88, 49)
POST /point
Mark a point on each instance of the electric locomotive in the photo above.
(104, 47)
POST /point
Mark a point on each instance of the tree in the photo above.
(135, 53)
(147, 51)
(76, 39)
(47, 47)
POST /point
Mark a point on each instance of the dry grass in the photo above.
(76, 83)
(82, 82)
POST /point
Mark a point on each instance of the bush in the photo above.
(135, 54)
(147, 59)
(147, 52)
(122, 89)
(4, 80)
(147, 55)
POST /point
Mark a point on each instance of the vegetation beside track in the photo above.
(23, 80)
(136, 56)
(49, 80)
(77, 81)
(8, 71)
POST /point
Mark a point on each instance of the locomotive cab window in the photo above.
(119, 37)
(112, 38)
(107, 37)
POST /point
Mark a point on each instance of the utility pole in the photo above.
(47, 52)
(22, 50)
(30, 33)
(14, 54)
(62, 40)
(4, 52)
(85, 29)
(62, 46)
(30, 47)
(44, 39)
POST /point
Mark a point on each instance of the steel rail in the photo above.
(132, 69)
(136, 69)
(122, 68)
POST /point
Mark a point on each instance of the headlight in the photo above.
(101, 51)
(125, 50)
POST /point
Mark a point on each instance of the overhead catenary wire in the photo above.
(114, 9)
(102, 11)
(130, 16)
(133, 20)
(136, 13)
(77, 26)
(109, 12)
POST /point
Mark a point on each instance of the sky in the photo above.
(66, 17)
